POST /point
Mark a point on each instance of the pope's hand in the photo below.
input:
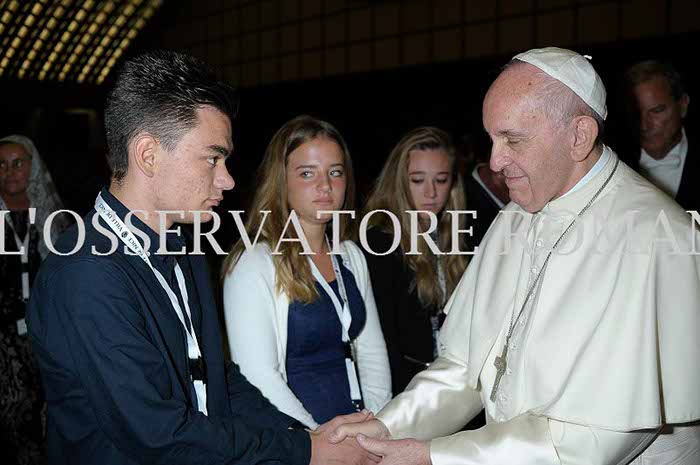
(371, 428)
(347, 452)
(402, 452)
(333, 424)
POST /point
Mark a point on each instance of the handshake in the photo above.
(361, 439)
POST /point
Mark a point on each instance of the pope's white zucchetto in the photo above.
(572, 70)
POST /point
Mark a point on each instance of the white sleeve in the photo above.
(372, 357)
(249, 312)
(532, 440)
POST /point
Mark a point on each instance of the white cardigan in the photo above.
(256, 325)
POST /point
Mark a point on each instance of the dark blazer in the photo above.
(113, 359)
(486, 210)
(405, 323)
(687, 196)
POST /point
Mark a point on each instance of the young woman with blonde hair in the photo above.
(304, 328)
(411, 289)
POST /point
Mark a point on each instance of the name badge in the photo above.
(22, 327)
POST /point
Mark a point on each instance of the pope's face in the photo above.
(315, 180)
(15, 169)
(660, 116)
(529, 148)
(193, 176)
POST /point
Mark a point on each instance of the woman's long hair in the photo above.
(391, 192)
(293, 274)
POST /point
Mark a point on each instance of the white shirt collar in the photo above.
(604, 157)
(666, 173)
(674, 158)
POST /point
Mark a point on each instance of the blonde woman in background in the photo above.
(411, 290)
(298, 323)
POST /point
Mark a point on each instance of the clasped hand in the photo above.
(374, 438)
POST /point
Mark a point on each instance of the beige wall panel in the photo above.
(386, 19)
(311, 65)
(476, 10)
(416, 15)
(335, 29)
(597, 23)
(269, 13)
(269, 45)
(447, 12)
(416, 49)
(231, 52)
(543, 4)
(290, 68)
(250, 74)
(311, 34)
(360, 57)
(511, 7)
(387, 53)
(447, 44)
(335, 61)
(311, 8)
(231, 22)
(642, 19)
(480, 40)
(289, 10)
(215, 27)
(334, 5)
(269, 71)
(290, 38)
(685, 15)
(555, 29)
(515, 35)
(360, 24)
(250, 46)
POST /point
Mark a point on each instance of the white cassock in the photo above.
(604, 355)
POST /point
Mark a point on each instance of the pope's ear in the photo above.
(142, 154)
(585, 133)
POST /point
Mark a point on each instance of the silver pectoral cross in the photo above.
(500, 363)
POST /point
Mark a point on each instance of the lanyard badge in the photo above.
(345, 317)
(196, 362)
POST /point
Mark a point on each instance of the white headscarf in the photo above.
(41, 192)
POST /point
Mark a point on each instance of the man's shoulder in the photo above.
(81, 254)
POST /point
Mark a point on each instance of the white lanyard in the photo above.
(23, 248)
(128, 238)
(343, 311)
(345, 317)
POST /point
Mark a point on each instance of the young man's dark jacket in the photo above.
(113, 359)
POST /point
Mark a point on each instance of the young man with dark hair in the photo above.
(126, 335)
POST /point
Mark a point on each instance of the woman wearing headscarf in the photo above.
(27, 198)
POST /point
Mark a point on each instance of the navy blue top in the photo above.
(113, 359)
(316, 370)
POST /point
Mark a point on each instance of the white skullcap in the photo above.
(572, 70)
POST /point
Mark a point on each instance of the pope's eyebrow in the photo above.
(511, 133)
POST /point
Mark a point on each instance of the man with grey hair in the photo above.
(575, 325)
(659, 104)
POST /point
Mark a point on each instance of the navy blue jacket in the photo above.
(113, 359)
